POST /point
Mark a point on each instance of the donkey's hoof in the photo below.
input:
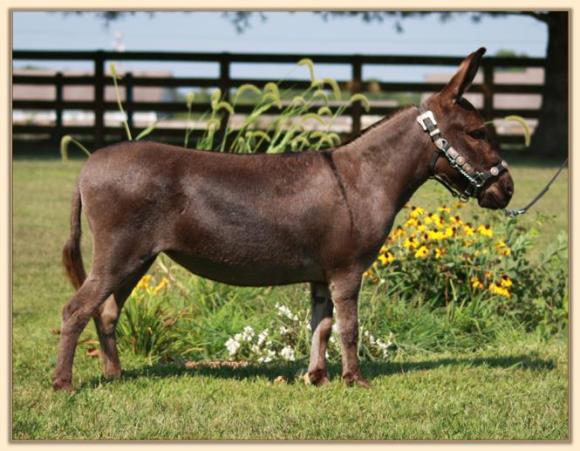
(350, 380)
(112, 373)
(318, 377)
(63, 385)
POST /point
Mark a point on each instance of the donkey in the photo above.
(257, 220)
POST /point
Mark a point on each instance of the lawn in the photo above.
(514, 387)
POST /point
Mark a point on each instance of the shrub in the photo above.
(439, 259)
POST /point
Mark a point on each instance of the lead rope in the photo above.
(512, 213)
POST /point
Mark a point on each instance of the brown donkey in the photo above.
(254, 220)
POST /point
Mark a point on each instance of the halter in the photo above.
(476, 179)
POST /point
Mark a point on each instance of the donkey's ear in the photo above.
(462, 80)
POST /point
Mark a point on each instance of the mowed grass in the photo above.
(516, 388)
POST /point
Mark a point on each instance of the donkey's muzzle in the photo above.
(498, 192)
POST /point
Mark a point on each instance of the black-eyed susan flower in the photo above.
(506, 282)
(411, 243)
(387, 258)
(411, 222)
(495, 289)
(439, 252)
(416, 212)
(502, 248)
(422, 252)
(397, 232)
(485, 230)
(456, 220)
(476, 284)
(468, 230)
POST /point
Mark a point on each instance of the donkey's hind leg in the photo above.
(106, 320)
(107, 276)
(321, 325)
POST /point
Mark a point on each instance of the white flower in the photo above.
(335, 328)
(232, 346)
(287, 353)
(262, 337)
(284, 330)
(248, 333)
(285, 311)
(268, 357)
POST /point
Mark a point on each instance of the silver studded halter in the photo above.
(475, 178)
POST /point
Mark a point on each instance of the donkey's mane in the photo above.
(376, 124)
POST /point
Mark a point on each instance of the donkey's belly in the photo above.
(251, 274)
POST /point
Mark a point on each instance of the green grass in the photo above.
(515, 387)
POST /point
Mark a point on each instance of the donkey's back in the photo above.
(246, 220)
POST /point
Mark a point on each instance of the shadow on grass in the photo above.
(292, 371)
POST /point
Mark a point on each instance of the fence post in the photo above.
(59, 101)
(224, 85)
(99, 62)
(356, 87)
(129, 99)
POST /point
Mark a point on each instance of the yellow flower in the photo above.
(485, 230)
(499, 290)
(439, 252)
(416, 212)
(411, 243)
(506, 282)
(456, 220)
(398, 232)
(371, 276)
(422, 252)
(506, 252)
(449, 232)
(387, 258)
(411, 222)
(164, 283)
(444, 209)
(422, 227)
(144, 282)
(436, 236)
(468, 230)
(476, 283)
(384, 249)
(502, 248)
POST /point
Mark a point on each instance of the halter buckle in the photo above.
(427, 115)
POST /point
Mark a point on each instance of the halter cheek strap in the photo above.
(476, 179)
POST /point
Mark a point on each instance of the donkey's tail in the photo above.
(71, 253)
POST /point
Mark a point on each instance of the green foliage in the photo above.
(304, 122)
(146, 325)
(439, 260)
(117, 77)
(65, 143)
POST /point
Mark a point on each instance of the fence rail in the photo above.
(99, 81)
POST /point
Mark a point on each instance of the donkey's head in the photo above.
(473, 151)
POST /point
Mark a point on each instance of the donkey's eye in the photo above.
(477, 134)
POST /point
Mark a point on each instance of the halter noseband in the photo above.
(476, 179)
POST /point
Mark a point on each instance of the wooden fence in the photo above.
(102, 134)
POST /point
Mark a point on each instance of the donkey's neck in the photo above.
(392, 156)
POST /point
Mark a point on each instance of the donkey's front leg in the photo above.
(344, 289)
(321, 325)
